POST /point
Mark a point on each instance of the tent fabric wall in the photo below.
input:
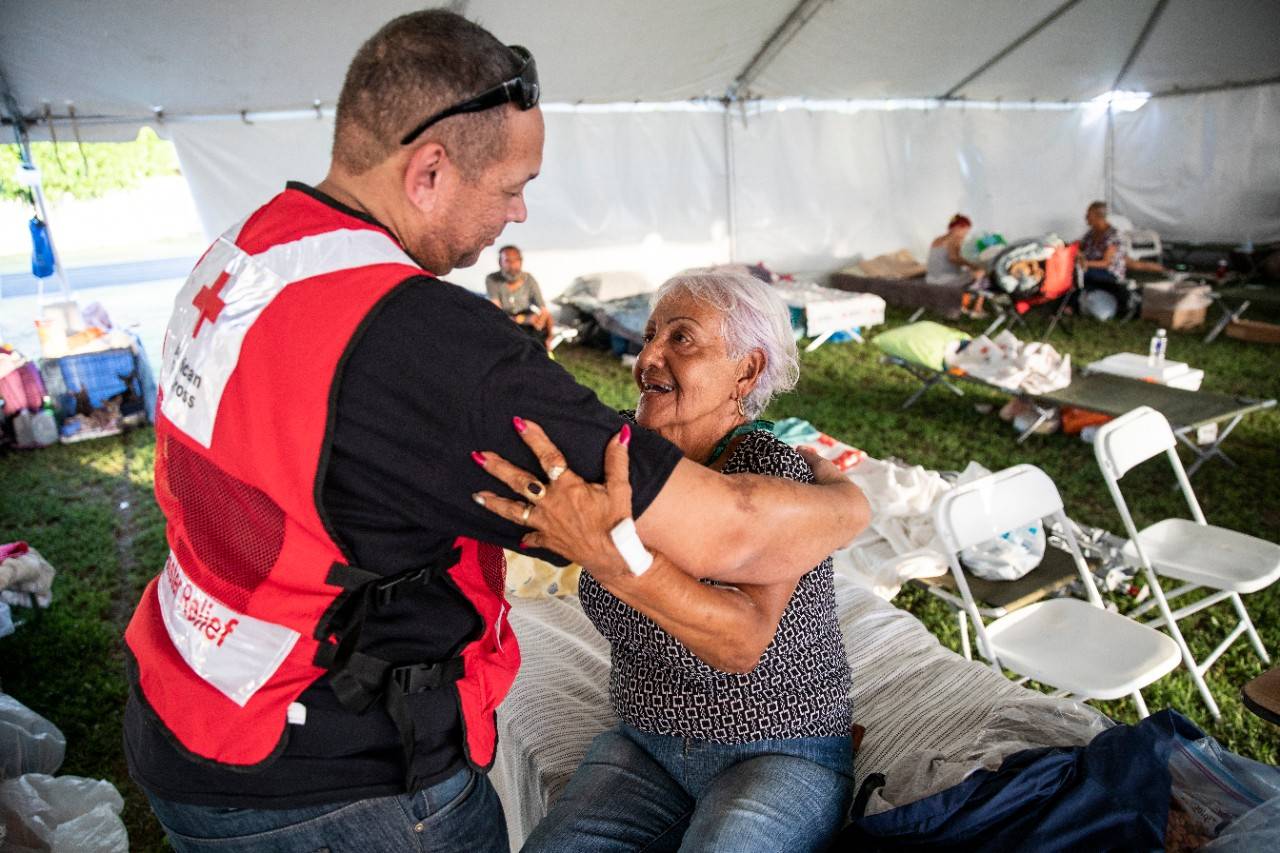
(645, 188)
(1202, 167)
(816, 189)
(634, 189)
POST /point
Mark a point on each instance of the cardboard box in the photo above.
(1176, 304)
(1175, 319)
(899, 264)
(1255, 331)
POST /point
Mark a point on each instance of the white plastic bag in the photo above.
(1008, 557)
(66, 814)
(1217, 787)
(28, 742)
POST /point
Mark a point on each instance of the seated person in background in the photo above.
(1101, 250)
(734, 706)
(1102, 256)
(947, 266)
(517, 293)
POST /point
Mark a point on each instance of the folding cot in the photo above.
(1186, 411)
(1234, 301)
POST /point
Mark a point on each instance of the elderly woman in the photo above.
(1103, 258)
(734, 702)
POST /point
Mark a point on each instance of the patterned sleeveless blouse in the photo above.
(800, 687)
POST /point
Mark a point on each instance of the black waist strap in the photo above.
(359, 679)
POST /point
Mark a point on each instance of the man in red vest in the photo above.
(318, 664)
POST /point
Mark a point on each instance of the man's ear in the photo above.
(425, 173)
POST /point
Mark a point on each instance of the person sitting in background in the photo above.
(1103, 259)
(734, 707)
(947, 266)
(517, 293)
(1101, 251)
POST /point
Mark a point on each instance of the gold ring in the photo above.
(524, 516)
(555, 472)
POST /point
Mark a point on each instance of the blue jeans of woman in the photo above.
(462, 813)
(641, 791)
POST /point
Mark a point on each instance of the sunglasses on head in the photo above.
(521, 90)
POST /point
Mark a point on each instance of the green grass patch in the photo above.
(89, 509)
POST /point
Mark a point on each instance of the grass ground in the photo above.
(89, 509)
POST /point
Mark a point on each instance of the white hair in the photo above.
(753, 317)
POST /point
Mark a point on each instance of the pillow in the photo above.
(922, 343)
(528, 577)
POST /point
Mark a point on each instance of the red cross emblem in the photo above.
(209, 302)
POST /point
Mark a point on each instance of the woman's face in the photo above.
(688, 384)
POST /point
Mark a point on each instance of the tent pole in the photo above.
(1150, 25)
(795, 21)
(1109, 158)
(1010, 48)
(37, 192)
(731, 217)
(1217, 87)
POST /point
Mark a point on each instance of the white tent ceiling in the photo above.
(863, 167)
(120, 59)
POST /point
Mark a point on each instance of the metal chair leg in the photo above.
(1193, 669)
(1143, 713)
(963, 619)
(1248, 627)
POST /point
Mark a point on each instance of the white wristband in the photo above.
(627, 541)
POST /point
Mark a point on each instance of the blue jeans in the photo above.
(462, 813)
(640, 791)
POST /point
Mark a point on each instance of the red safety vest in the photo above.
(256, 600)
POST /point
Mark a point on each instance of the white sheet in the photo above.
(912, 695)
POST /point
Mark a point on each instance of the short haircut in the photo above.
(960, 221)
(416, 65)
(753, 317)
(1099, 206)
(515, 249)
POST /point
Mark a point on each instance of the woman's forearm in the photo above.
(751, 529)
(727, 628)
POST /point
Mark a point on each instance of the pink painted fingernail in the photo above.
(477, 457)
(624, 436)
(521, 545)
(518, 423)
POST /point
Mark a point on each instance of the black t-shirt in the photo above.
(435, 373)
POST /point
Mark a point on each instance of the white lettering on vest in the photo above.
(231, 651)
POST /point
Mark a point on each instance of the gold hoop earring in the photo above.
(742, 413)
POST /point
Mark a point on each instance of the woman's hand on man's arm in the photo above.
(740, 529)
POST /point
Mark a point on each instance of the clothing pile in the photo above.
(1028, 368)
(26, 578)
(901, 543)
(1160, 784)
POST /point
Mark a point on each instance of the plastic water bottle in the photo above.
(1159, 342)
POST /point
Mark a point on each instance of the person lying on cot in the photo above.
(734, 701)
(948, 266)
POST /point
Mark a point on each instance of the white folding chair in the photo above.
(1076, 646)
(1194, 552)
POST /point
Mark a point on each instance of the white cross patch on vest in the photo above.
(222, 299)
